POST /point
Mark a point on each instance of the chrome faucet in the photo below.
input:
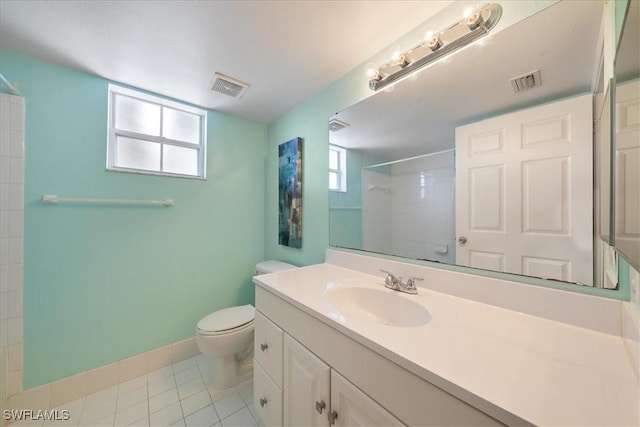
(395, 283)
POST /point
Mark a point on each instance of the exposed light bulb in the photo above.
(434, 43)
(428, 35)
(467, 12)
(371, 69)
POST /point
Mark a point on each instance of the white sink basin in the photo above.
(379, 306)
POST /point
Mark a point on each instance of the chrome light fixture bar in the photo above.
(476, 25)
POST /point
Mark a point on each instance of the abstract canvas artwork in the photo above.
(290, 193)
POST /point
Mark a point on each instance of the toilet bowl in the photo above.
(227, 336)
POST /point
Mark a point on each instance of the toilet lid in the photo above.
(228, 318)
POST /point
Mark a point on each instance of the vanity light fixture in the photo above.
(476, 24)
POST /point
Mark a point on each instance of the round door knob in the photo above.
(264, 347)
(263, 401)
(462, 240)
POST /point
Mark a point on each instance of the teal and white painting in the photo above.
(290, 193)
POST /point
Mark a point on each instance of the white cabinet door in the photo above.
(524, 192)
(306, 386)
(267, 398)
(351, 407)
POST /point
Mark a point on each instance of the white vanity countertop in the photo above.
(510, 365)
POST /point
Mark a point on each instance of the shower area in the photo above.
(408, 207)
(12, 129)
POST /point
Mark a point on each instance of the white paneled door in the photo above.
(627, 210)
(524, 192)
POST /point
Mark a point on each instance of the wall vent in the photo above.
(336, 125)
(228, 85)
(526, 81)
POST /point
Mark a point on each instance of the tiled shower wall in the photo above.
(423, 207)
(12, 113)
(409, 208)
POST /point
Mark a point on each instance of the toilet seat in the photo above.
(225, 332)
(228, 320)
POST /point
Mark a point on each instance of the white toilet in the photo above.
(227, 336)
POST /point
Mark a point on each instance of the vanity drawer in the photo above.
(267, 397)
(268, 347)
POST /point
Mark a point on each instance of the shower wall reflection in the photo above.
(405, 207)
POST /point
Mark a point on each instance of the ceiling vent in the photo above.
(336, 125)
(228, 85)
(526, 81)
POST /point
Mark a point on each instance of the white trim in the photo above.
(342, 168)
(65, 390)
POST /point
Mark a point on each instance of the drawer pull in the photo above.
(332, 417)
(320, 406)
(264, 347)
(263, 401)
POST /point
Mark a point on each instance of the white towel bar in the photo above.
(345, 208)
(50, 198)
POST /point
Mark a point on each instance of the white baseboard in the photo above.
(54, 394)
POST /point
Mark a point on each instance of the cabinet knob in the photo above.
(263, 401)
(320, 405)
(264, 346)
(332, 417)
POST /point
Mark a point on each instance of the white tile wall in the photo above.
(416, 218)
(12, 110)
(376, 212)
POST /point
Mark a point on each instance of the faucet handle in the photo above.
(411, 282)
(389, 274)
(391, 279)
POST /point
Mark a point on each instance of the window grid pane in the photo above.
(180, 160)
(135, 115)
(150, 134)
(180, 125)
(334, 181)
(337, 168)
(138, 154)
(334, 159)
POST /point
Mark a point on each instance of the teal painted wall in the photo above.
(345, 226)
(309, 120)
(103, 283)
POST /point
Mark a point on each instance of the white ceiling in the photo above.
(286, 50)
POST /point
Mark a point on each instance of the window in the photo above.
(152, 135)
(337, 168)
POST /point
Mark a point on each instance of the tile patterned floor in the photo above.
(178, 395)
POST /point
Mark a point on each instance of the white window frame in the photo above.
(342, 168)
(201, 146)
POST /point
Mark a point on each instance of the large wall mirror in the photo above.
(627, 138)
(458, 166)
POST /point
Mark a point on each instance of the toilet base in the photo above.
(229, 371)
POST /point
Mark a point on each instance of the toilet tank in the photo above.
(265, 267)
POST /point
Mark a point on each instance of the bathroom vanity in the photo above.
(330, 351)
